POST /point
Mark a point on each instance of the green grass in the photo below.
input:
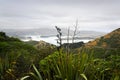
(80, 66)
(59, 66)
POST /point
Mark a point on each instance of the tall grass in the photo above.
(80, 66)
(66, 66)
(6, 68)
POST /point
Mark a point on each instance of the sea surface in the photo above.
(51, 39)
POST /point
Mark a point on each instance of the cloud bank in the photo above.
(98, 15)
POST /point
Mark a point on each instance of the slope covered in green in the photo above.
(111, 40)
(16, 57)
(106, 45)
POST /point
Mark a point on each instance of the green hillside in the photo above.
(106, 45)
(111, 40)
(16, 57)
(4, 37)
(31, 42)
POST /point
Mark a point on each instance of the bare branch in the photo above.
(74, 34)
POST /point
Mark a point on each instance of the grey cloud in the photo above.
(92, 14)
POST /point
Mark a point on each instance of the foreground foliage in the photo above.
(20, 61)
(82, 66)
(16, 57)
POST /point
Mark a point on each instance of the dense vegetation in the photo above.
(106, 45)
(16, 57)
(97, 60)
(111, 40)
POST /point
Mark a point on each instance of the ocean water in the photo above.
(52, 39)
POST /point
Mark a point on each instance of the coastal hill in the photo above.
(104, 46)
(110, 40)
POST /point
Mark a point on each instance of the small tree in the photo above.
(59, 40)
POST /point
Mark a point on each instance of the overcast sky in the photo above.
(99, 15)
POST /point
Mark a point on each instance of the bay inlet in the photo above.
(53, 39)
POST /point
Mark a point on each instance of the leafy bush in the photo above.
(61, 66)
